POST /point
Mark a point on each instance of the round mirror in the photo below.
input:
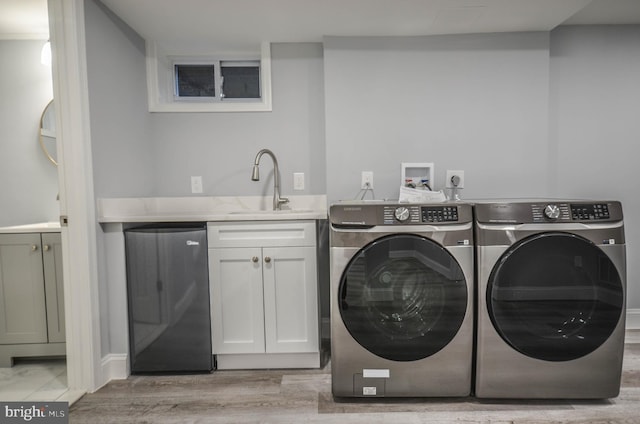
(48, 132)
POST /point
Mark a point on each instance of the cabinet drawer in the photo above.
(274, 233)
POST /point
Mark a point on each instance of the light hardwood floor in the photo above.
(304, 396)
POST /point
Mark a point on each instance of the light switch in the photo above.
(298, 180)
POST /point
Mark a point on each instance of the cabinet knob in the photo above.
(46, 247)
(267, 259)
(254, 259)
(34, 247)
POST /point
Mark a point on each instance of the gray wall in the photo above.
(472, 102)
(221, 147)
(137, 153)
(523, 114)
(595, 125)
(123, 147)
(28, 181)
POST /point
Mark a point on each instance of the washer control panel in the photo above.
(370, 214)
(590, 212)
(419, 214)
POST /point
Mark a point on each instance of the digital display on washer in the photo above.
(590, 212)
(439, 213)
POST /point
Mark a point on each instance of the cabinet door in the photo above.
(237, 313)
(290, 299)
(22, 299)
(52, 258)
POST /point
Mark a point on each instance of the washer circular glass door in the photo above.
(555, 296)
(403, 297)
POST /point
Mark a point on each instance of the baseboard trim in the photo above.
(115, 366)
(633, 319)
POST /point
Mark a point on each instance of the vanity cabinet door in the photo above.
(237, 311)
(52, 259)
(22, 296)
(290, 299)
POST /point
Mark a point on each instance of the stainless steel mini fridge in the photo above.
(168, 298)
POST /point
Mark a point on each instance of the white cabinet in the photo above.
(31, 296)
(264, 295)
(237, 304)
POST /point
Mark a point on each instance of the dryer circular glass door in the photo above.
(403, 297)
(555, 296)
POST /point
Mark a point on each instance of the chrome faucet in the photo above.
(255, 176)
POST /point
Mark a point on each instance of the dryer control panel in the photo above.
(548, 211)
(570, 212)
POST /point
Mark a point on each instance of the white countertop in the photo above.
(222, 208)
(39, 227)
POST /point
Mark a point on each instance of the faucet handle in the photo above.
(282, 200)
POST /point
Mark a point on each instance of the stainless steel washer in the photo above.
(551, 299)
(401, 299)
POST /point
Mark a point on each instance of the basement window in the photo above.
(196, 81)
(207, 83)
(216, 81)
(240, 79)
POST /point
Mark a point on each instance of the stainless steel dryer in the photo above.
(551, 299)
(401, 299)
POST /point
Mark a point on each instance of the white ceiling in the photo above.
(247, 22)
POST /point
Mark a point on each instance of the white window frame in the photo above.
(161, 83)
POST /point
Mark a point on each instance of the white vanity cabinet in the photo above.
(264, 294)
(31, 296)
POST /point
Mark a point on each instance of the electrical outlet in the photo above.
(367, 180)
(298, 180)
(451, 178)
(196, 184)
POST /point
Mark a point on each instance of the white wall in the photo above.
(595, 125)
(472, 102)
(29, 182)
